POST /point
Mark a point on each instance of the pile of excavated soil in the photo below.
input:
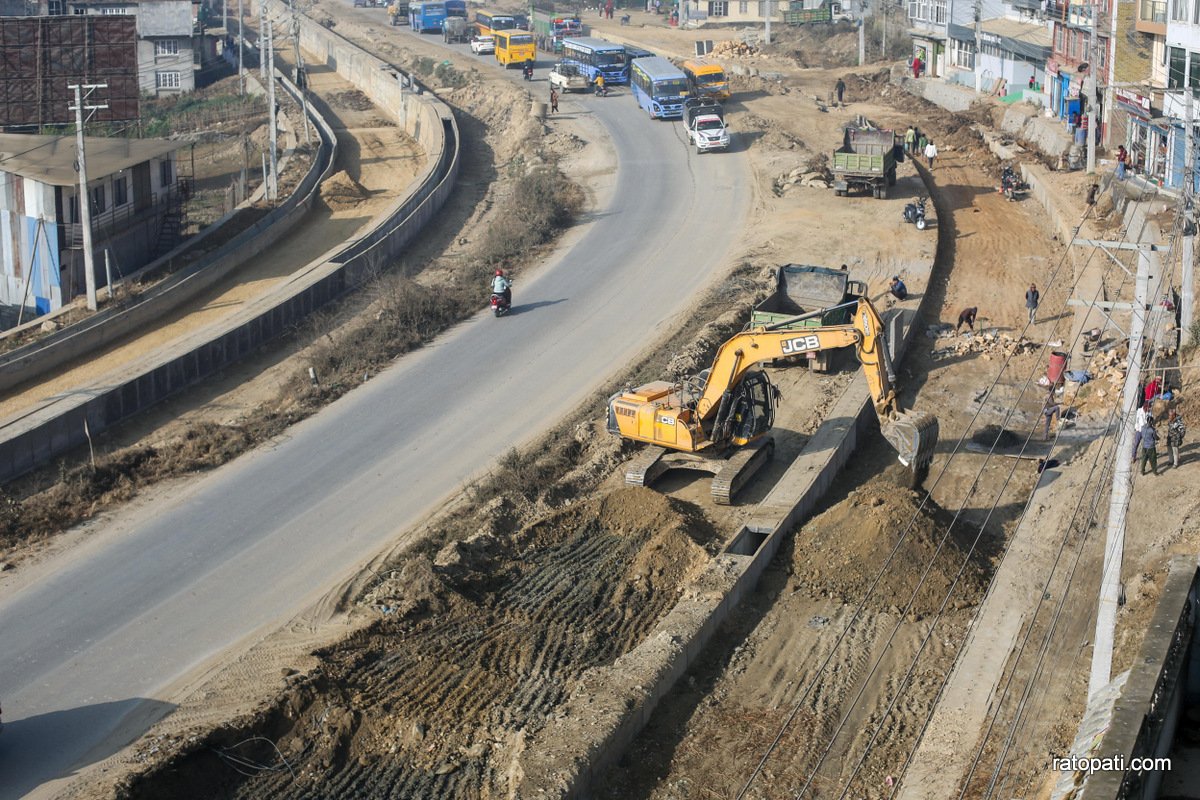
(856, 536)
(341, 191)
(473, 651)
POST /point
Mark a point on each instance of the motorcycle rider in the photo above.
(502, 286)
(528, 70)
(601, 89)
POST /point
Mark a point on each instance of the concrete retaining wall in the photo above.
(67, 423)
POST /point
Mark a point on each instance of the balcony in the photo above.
(1079, 15)
(1152, 17)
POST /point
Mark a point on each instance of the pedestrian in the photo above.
(916, 67)
(1082, 131)
(1149, 440)
(1032, 298)
(1122, 162)
(1030, 81)
(922, 141)
(966, 317)
(1140, 420)
(1051, 411)
(931, 154)
(1151, 390)
(1093, 190)
(1176, 430)
(608, 9)
(840, 88)
(553, 100)
(910, 139)
(897, 288)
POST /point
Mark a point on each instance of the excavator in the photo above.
(718, 421)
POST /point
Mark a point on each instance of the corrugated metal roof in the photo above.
(51, 159)
(1028, 32)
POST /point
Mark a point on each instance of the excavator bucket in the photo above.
(914, 436)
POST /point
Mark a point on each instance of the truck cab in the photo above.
(705, 121)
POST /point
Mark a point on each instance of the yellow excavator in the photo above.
(718, 421)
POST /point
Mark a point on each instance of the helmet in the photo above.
(499, 272)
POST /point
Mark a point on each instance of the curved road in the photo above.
(91, 640)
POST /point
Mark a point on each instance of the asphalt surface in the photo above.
(93, 638)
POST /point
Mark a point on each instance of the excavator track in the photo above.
(645, 468)
(739, 468)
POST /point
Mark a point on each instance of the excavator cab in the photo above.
(752, 409)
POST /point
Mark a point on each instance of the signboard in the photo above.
(1052, 66)
(1132, 102)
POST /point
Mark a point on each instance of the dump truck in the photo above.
(705, 121)
(809, 297)
(866, 160)
(550, 28)
(455, 29)
(719, 421)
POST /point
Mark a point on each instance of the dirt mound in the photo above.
(840, 552)
(341, 191)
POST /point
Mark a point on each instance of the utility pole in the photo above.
(262, 32)
(1089, 88)
(978, 45)
(273, 181)
(862, 32)
(883, 4)
(301, 78)
(768, 6)
(241, 51)
(1114, 544)
(85, 203)
(1187, 294)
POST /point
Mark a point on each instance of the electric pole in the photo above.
(1089, 89)
(862, 32)
(241, 50)
(978, 45)
(1187, 294)
(301, 78)
(883, 4)
(85, 204)
(768, 7)
(273, 180)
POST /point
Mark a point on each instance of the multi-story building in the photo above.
(1081, 46)
(1009, 47)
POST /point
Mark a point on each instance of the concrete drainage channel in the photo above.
(68, 422)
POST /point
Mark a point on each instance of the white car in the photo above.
(483, 45)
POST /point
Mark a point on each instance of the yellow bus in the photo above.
(490, 24)
(706, 79)
(514, 47)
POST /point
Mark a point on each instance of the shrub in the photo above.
(542, 202)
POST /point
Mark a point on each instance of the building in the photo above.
(1074, 48)
(1013, 55)
(136, 196)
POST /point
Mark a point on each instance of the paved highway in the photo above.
(93, 638)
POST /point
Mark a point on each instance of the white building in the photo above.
(135, 194)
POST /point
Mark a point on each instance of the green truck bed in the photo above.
(866, 159)
(800, 289)
(806, 16)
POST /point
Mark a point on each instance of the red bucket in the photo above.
(1058, 363)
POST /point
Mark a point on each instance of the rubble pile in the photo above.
(802, 176)
(1106, 370)
(732, 49)
(988, 343)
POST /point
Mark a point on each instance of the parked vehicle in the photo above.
(597, 57)
(809, 297)
(567, 78)
(1011, 186)
(705, 79)
(550, 29)
(455, 29)
(914, 213)
(824, 12)
(398, 12)
(514, 47)
(426, 17)
(866, 160)
(659, 87)
(705, 121)
(483, 45)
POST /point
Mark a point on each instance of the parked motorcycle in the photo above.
(914, 213)
(1011, 186)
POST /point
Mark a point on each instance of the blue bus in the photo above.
(456, 8)
(596, 56)
(426, 17)
(659, 87)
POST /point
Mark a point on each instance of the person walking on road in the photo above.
(1140, 420)
(910, 140)
(840, 88)
(966, 317)
(553, 100)
(931, 154)
(1032, 298)
(1051, 411)
(1176, 430)
(1149, 441)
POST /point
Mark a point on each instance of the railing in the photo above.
(123, 217)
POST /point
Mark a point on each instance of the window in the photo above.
(166, 173)
(744, 7)
(1060, 39)
(56, 8)
(98, 205)
(1179, 10)
(718, 8)
(1196, 13)
(112, 11)
(1193, 70)
(1176, 67)
(166, 80)
(762, 8)
(962, 54)
(120, 192)
(166, 47)
(928, 11)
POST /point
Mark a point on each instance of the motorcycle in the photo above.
(601, 90)
(1011, 186)
(914, 213)
(528, 71)
(499, 303)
